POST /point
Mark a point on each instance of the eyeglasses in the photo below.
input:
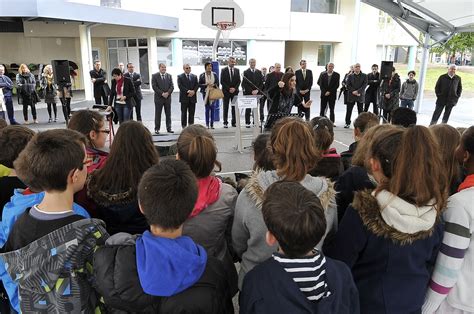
(103, 131)
(187, 68)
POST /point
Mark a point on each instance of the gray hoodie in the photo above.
(409, 90)
(249, 230)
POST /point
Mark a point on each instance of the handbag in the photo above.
(215, 94)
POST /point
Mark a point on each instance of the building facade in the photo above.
(283, 31)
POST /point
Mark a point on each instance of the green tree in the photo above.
(461, 42)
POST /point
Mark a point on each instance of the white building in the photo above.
(148, 32)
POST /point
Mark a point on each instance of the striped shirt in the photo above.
(308, 272)
(455, 261)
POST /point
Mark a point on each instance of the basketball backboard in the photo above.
(222, 11)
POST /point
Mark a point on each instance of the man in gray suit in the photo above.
(162, 84)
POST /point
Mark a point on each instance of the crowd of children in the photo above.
(385, 227)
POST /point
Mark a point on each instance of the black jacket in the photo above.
(137, 82)
(100, 78)
(128, 91)
(271, 81)
(346, 156)
(373, 80)
(255, 77)
(184, 85)
(228, 82)
(302, 84)
(352, 180)
(331, 87)
(117, 281)
(448, 90)
(268, 288)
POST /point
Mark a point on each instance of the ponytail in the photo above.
(197, 148)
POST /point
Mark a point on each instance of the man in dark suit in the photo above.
(99, 79)
(162, 84)
(372, 93)
(252, 82)
(271, 81)
(230, 81)
(329, 83)
(137, 82)
(304, 82)
(188, 86)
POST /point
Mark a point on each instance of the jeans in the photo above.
(123, 111)
(350, 107)
(210, 108)
(10, 111)
(407, 103)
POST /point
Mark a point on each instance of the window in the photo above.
(323, 6)
(164, 52)
(198, 52)
(299, 5)
(324, 54)
(314, 6)
(142, 42)
(132, 42)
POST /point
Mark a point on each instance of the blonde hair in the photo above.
(48, 69)
(23, 68)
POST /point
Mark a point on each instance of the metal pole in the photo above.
(423, 68)
(214, 46)
(84, 38)
(411, 57)
(355, 32)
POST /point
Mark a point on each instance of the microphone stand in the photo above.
(261, 92)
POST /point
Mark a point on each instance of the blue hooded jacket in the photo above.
(12, 210)
(178, 263)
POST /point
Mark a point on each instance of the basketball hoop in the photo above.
(225, 28)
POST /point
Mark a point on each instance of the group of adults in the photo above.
(123, 95)
(363, 90)
(29, 95)
(357, 87)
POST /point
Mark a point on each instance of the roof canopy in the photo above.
(70, 11)
(439, 18)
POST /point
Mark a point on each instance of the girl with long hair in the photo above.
(450, 289)
(390, 236)
(211, 218)
(294, 154)
(448, 139)
(50, 92)
(114, 187)
(26, 83)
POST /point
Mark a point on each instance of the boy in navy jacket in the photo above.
(297, 278)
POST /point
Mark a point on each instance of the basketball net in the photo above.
(225, 28)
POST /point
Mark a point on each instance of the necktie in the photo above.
(304, 74)
(231, 73)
